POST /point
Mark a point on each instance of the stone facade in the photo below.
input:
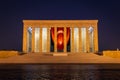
(83, 26)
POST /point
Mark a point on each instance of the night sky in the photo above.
(13, 12)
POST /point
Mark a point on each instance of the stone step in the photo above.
(60, 54)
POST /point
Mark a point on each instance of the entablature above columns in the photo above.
(60, 23)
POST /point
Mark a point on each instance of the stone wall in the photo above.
(114, 54)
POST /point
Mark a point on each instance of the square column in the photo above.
(55, 41)
(33, 39)
(80, 40)
(40, 40)
(65, 45)
(87, 40)
(24, 38)
(95, 39)
(48, 39)
(72, 39)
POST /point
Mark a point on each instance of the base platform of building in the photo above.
(48, 58)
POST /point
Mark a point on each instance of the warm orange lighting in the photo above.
(60, 37)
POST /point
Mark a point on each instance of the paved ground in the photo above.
(74, 58)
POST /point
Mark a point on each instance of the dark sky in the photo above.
(13, 12)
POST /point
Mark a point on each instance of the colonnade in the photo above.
(82, 42)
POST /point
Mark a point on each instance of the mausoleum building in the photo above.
(73, 36)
